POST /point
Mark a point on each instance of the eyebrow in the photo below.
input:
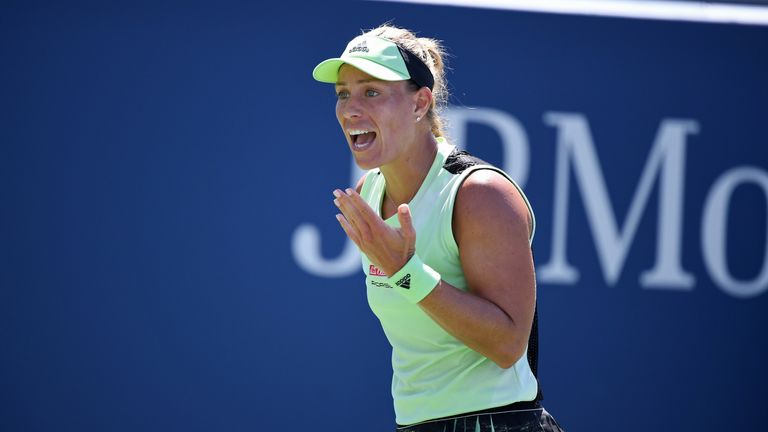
(366, 80)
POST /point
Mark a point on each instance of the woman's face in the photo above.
(377, 117)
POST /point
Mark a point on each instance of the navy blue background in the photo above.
(156, 158)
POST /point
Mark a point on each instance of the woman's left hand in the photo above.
(388, 248)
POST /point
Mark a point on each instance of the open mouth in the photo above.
(361, 139)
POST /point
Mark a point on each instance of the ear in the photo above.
(423, 99)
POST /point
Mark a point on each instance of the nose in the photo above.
(350, 108)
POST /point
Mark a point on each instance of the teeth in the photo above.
(357, 131)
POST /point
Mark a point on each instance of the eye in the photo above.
(342, 94)
(371, 93)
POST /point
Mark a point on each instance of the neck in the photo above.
(405, 175)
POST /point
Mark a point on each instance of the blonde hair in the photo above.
(431, 52)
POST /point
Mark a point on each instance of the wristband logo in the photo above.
(380, 284)
(375, 271)
(405, 282)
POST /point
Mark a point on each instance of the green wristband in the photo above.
(415, 280)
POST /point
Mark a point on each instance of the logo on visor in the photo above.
(361, 47)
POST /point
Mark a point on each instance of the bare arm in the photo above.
(491, 226)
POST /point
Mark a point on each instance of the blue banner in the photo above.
(170, 258)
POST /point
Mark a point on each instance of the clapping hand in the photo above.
(388, 248)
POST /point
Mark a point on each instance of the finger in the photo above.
(371, 224)
(406, 222)
(373, 219)
(344, 204)
(352, 215)
(348, 229)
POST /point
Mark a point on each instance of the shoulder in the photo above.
(366, 177)
(488, 201)
(360, 182)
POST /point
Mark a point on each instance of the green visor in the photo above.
(373, 55)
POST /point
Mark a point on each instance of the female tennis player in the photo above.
(445, 241)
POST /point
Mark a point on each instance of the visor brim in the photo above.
(328, 70)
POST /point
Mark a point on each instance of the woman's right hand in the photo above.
(388, 248)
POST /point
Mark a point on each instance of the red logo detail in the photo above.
(374, 271)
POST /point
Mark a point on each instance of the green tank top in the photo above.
(434, 374)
